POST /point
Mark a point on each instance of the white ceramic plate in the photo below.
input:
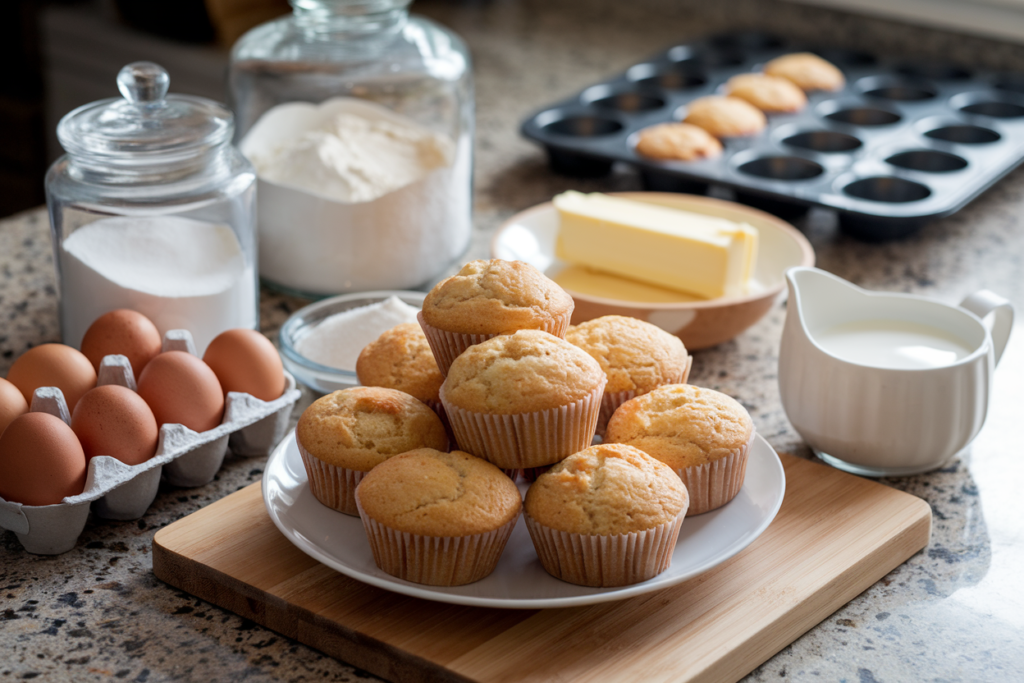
(519, 581)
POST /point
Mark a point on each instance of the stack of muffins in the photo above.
(496, 369)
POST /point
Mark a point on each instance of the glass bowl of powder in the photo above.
(321, 342)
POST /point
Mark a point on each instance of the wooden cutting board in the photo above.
(835, 536)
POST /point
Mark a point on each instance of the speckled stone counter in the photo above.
(954, 612)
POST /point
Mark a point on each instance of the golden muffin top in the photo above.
(431, 493)
(635, 355)
(725, 117)
(682, 425)
(523, 372)
(607, 489)
(361, 427)
(496, 297)
(401, 359)
(808, 71)
(767, 93)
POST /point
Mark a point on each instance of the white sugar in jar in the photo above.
(178, 272)
(153, 209)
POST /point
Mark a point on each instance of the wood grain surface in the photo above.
(835, 536)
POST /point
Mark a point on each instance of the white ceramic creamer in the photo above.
(885, 384)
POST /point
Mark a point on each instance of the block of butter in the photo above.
(703, 255)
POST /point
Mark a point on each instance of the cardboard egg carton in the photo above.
(114, 490)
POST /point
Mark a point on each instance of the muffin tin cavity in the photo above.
(632, 100)
(581, 125)
(782, 168)
(928, 160)
(748, 40)
(900, 144)
(936, 72)
(897, 89)
(674, 77)
(683, 56)
(1001, 110)
(994, 105)
(964, 134)
(846, 58)
(826, 141)
(1009, 82)
(864, 116)
(887, 189)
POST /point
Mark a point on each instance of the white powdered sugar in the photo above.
(337, 341)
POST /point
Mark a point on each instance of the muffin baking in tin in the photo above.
(897, 144)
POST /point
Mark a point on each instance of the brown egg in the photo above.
(125, 332)
(114, 420)
(246, 361)
(53, 365)
(12, 404)
(182, 389)
(41, 461)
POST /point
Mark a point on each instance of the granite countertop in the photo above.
(952, 612)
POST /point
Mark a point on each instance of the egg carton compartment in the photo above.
(184, 458)
(901, 144)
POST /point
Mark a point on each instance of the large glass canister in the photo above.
(359, 120)
(153, 209)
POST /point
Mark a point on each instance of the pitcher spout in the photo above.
(819, 299)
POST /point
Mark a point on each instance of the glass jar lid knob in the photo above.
(161, 127)
(143, 83)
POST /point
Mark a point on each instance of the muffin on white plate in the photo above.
(702, 434)
(607, 516)
(636, 356)
(344, 435)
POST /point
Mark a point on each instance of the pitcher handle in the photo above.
(984, 302)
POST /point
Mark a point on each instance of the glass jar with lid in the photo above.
(153, 209)
(359, 120)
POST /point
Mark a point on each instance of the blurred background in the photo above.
(60, 54)
(66, 53)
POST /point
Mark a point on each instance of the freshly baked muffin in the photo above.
(807, 70)
(635, 355)
(606, 516)
(523, 400)
(767, 93)
(725, 117)
(401, 359)
(700, 433)
(438, 518)
(344, 435)
(677, 142)
(488, 298)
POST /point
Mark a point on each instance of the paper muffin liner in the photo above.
(610, 402)
(447, 346)
(333, 486)
(523, 440)
(439, 410)
(604, 561)
(437, 407)
(715, 483)
(435, 560)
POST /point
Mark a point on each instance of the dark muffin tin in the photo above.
(901, 144)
